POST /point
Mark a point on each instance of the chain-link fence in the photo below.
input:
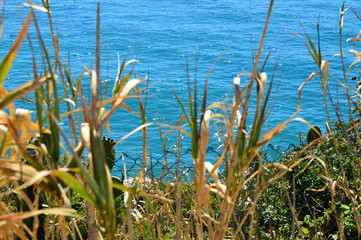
(177, 162)
(167, 167)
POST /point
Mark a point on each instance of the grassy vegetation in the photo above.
(57, 185)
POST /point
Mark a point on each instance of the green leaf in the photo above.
(7, 62)
(345, 207)
(309, 221)
(304, 230)
(335, 236)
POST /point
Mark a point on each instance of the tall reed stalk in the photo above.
(58, 185)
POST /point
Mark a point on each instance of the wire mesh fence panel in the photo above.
(173, 163)
(166, 167)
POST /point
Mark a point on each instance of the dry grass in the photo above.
(59, 186)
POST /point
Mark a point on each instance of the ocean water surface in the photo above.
(162, 35)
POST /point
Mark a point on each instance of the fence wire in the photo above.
(165, 167)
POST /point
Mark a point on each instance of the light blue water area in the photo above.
(163, 34)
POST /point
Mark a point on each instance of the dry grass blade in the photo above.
(172, 128)
(216, 166)
(271, 134)
(354, 39)
(97, 50)
(357, 56)
(121, 68)
(303, 121)
(241, 135)
(296, 34)
(94, 100)
(324, 68)
(242, 192)
(37, 179)
(301, 88)
(2, 18)
(17, 170)
(121, 96)
(37, 7)
(26, 88)
(134, 131)
(9, 219)
(9, 58)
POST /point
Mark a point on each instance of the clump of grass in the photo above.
(59, 186)
(53, 177)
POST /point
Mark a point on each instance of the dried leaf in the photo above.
(301, 88)
(37, 7)
(271, 134)
(22, 90)
(324, 65)
(70, 101)
(7, 219)
(358, 58)
(7, 62)
(354, 39)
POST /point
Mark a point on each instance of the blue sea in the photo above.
(162, 35)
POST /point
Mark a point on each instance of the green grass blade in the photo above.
(103, 178)
(124, 188)
(119, 83)
(74, 184)
(76, 158)
(182, 107)
(313, 51)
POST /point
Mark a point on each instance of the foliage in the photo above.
(58, 185)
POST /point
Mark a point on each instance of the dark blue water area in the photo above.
(162, 35)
